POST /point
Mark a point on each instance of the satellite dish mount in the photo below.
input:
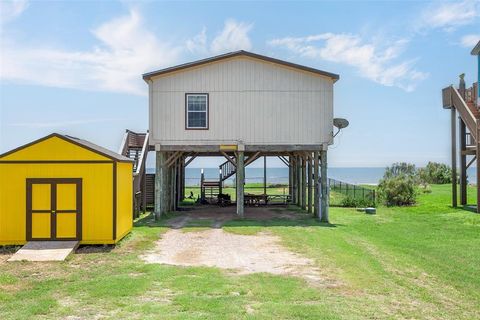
(340, 123)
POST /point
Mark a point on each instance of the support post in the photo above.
(290, 177)
(316, 181)
(174, 186)
(159, 184)
(144, 191)
(182, 179)
(462, 139)
(171, 188)
(240, 183)
(202, 189)
(299, 181)
(324, 186)
(463, 161)
(309, 184)
(265, 178)
(178, 198)
(293, 172)
(454, 156)
(304, 183)
(220, 183)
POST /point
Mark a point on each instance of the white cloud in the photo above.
(371, 61)
(125, 50)
(234, 36)
(61, 124)
(198, 44)
(9, 10)
(470, 40)
(450, 15)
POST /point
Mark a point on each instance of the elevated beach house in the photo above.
(241, 106)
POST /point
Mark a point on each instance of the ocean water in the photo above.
(280, 175)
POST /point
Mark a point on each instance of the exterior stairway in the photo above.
(135, 146)
(227, 169)
(463, 101)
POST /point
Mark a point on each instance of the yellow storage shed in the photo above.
(64, 188)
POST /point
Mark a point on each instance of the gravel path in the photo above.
(243, 253)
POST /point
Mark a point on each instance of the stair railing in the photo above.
(452, 98)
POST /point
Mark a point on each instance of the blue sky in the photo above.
(75, 67)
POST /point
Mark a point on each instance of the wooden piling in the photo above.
(293, 164)
(265, 176)
(290, 178)
(240, 183)
(463, 161)
(299, 181)
(304, 183)
(159, 184)
(454, 156)
(324, 186)
(144, 192)
(309, 184)
(316, 181)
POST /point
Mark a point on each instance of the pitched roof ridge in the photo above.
(149, 75)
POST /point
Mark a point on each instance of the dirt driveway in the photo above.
(241, 254)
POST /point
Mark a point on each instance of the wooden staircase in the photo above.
(466, 108)
(135, 146)
(463, 101)
(227, 169)
(212, 188)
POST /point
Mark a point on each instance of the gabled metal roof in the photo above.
(149, 75)
(96, 148)
(82, 143)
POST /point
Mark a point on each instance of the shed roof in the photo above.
(476, 50)
(149, 75)
(80, 142)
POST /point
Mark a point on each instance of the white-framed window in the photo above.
(196, 111)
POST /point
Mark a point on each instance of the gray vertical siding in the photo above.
(249, 100)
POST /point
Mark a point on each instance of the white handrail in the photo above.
(143, 155)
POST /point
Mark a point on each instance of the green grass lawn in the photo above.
(421, 262)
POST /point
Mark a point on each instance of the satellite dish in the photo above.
(340, 123)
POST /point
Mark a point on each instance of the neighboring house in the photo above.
(240, 105)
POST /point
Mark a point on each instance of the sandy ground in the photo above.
(220, 215)
(242, 254)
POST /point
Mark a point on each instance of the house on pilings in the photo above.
(241, 106)
(466, 103)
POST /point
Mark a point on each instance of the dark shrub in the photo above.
(435, 173)
(398, 169)
(351, 202)
(399, 186)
